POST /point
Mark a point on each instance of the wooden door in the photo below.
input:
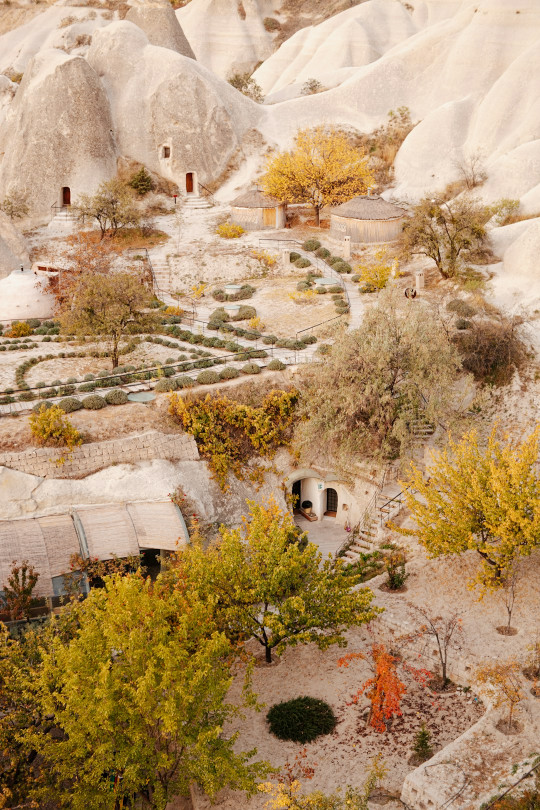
(331, 502)
(66, 196)
(269, 217)
(297, 496)
(189, 182)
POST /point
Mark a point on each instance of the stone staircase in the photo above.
(192, 203)
(162, 273)
(387, 504)
(65, 218)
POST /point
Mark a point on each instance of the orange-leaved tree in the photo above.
(384, 690)
(322, 168)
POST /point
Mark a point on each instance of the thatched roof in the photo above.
(255, 199)
(370, 208)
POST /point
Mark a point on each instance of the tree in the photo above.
(112, 207)
(378, 380)
(384, 690)
(376, 273)
(422, 744)
(446, 231)
(311, 86)
(481, 498)
(263, 583)
(50, 427)
(246, 84)
(110, 307)
(502, 678)
(138, 698)
(18, 591)
(14, 206)
(445, 631)
(323, 168)
(141, 182)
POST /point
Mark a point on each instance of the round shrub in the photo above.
(184, 381)
(269, 340)
(335, 289)
(244, 313)
(219, 295)
(275, 365)
(26, 396)
(70, 404)
(116, 397)
(302, 262)
(322, 253)
(294, 257)
(301, 720)
(321, 290)
(355, 278)
(342, 267)
(207, 377)
(164, 386)
(309, 339)
(463, 323)
(66, 390)
(228, 373)
(331, 260)
(311, 244)
(251, 368)
(36, 409)
(302, 286)
(461, 308)
(94, 402)
(86, 387)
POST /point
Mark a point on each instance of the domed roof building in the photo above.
(367, 219)
(256, 211)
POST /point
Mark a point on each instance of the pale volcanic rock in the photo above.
(58, 132)
(159, 97)
(355, 37)
(160, 24)
(13, 250)
(227, 36)
(23, 295)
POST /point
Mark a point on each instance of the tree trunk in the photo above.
(115, 353)
(268, 654)
(317, 216)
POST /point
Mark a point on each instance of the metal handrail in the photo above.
(208, 193)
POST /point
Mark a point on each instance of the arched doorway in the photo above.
(66, 196)
(296, 496)
(331, 502)
(190, 184)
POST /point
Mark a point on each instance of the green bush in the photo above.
(311, 244)
(302, 262)
(461, 307)
(332, 260)
(276, 365)
(251, 368)
(94, 403)
(294, 256)
(321, 290)
(301, 720)
(116, 397)
(141, 182)
(355, 278)
(342, 267)
(269, 340)
(219, 295)
(302, 286)
(207, 377)
(219, 315)
(36, 409)
(86, 387)
(336, 289)
(26, 396)
(309, 339)
(164, 386)
(184, 381)
(228, 373)
(463, 323)
(322, 253)
(244, 313)
(70, 404)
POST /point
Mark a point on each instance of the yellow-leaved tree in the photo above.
(377, 270)
(323, 168)
(485, 498)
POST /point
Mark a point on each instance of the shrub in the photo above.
(116, 397)
(276, 365)
(66, 390)
(251, 368)
(336, 289)
(220, 315)
(461, 307)
(463, 323)
(302, 286)
(33, 323)
(27, 396)
(208, 377)
(342, 267)
(219, 295)
(70, 404)
(184, 381)
(321, 290)
(322, 253)
(37, 407)
(245, 313)
(228, 373)
(19, 329)
(311, 245)
(50, 426)
(309, 339)
(293, 257)
(301, 720)
(302, 262)
(271, 24)
(227, 230)
(269, 340)
(89, 386)
(395, 568)
(165, 386)
(491, 350)
(141, 182)
(94, 402)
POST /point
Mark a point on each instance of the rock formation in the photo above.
(13, 251)
(160, 24)
(57, 133)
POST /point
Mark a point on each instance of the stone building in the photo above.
(367, 219)
(256, 211)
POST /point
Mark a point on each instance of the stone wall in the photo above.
(89, 458)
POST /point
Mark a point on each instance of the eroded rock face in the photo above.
(160, 24)
(170, 113)
(13, 250)
(57, 133)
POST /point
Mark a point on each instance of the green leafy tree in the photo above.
(139, 696)
(422, 743)
(448, 231)
(112, 307)
(142, 182)
(264, 583)
(397, 368)
(14, 206)
(246, 84)
(112, 207)
(484, 498)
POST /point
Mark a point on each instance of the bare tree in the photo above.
(472, 170)
(446, 631)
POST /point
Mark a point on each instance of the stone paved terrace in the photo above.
(328, 534)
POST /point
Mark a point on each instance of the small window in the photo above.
(166, 151)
